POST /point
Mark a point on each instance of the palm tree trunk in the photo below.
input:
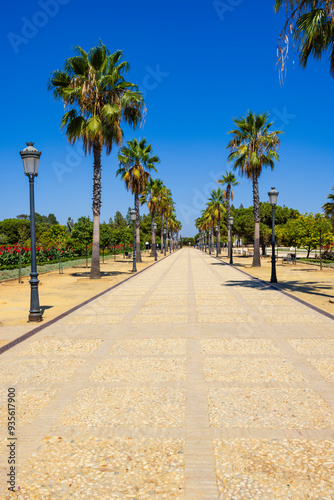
(153, 235)
(162, 234)
(228, 213)
(138, 252)
(256, 205)
(95, 263)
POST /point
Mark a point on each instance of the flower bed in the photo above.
(9, 255)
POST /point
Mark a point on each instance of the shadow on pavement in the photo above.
(44, 308)
(86, 274)
(310, 287)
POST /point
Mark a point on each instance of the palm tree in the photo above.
(216, 204)
(211, 224)
(166, 206)
(228, 180)
(253, 147)
(152, 196)
(135, 166)
(312, 28)
(328, 207)
(97, 99)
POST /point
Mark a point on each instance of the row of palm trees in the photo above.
(136, 163)
(98, 100)
(252, 146)
(218, 206)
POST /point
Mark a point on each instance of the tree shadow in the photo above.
(103, 274)
(309, 287)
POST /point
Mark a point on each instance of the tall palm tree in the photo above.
(210, 217)
(253, 147)
(166, 206)
(312, 28)
(135, 166)
(216, 203)
(328, 207)
(98, 99)
(228, 180)
(152, 196)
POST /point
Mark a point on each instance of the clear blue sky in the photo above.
(198, 68)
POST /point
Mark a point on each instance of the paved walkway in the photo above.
(189, 381)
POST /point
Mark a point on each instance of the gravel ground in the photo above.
(189, 381)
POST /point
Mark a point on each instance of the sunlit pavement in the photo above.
(189, 381)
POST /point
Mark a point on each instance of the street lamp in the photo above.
(165, 236)
(133, 217)
(210, 232)
(30, 157)
(155, 240)
(273, 195)
(170, 242)
(230, 221)
(217, 229)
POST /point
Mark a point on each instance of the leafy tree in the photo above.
(253, 147)
(106, 237)
(135, 166)
(56, 235)
(119, 220)
(228, 180)
(3, 239)
(23, 216)
(83, 233)
(311, 24)
(99, 98)
(128, 217)
(305, 231)
(122, 236)
(11, 229)
(282, 214)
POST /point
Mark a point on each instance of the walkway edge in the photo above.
(270, 285)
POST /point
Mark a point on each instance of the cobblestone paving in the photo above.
(190, 381)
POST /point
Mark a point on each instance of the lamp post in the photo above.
(165, 236)
(205, 241)
(231, 220)
(155, 240)
(273, 195)
(30, 157)
(210, 232)
(217, 229)
(170, 242)
(133, 218)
